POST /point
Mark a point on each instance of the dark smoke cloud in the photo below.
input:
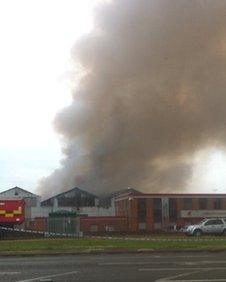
(153, 93)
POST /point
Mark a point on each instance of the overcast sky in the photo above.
(36, 39)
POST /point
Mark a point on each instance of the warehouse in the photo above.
(32, 201)
(79, 200)
(153, 212)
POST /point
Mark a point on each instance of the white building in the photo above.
(76, 199)
(32, 200)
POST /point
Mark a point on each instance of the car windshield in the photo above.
(201, 222)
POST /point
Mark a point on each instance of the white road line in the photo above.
(9, 272)
(48, 276)
(188, 256)
(203, 262)
(169, 278)
(194, 280)
(155, 262)
(194, 271)
(182, 268)
(135, 263)
(168, 269)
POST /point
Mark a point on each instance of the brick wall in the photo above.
(149, 217)
(121, 208)
(103, 224)
(129, 207)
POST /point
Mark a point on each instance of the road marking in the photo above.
(182, 268)
(193, 280)
(135, 263)
(202, 262)
(48, 276)
(169, 278)
(9, 272)
(168, 269)
(195, 270)
(153, 262)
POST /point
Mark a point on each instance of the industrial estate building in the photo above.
(32, 200)
(124, 211)
(76, 199)
(152, 212)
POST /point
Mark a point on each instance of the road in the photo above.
(159, 267)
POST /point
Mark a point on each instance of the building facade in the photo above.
(32, 201)
(104, 224)
(152, 212)
(78, 200)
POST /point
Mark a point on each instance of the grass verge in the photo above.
(89, 245)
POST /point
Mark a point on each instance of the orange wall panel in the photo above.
(195, 204)
(210, 204)
(133, 212)
(150, 215)
(224, 203)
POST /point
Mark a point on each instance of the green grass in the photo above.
(73, 245)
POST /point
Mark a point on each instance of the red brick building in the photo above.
(102, 224)
(151, 212)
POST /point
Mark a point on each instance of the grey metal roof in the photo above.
(75, 189)
(20, 189)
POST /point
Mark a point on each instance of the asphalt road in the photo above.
(118, 267)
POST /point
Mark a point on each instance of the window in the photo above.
(202, 203)
(217, 204)
(218, 222)
(157, 203)
(172, 210)
(48, 203)
(78, 200)
(187, 203)
(157, 215)
(209, 222)
(213, 222)
(142, 210)
(157, 210)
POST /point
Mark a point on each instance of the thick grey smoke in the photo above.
(153, 93)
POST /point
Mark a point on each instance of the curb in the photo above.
(111, 252)
(182, 239)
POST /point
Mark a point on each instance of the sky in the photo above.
(36, 41)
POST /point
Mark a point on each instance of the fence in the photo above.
(59, 226)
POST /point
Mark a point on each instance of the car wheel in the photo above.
(224, 232)
(197, 233)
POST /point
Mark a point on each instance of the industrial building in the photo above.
(32, 201)
(73, 200)
(128, 210)
(153, 212)
(76, 199)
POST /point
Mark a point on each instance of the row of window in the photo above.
(202, 203)
(76, 201)
(187, 205)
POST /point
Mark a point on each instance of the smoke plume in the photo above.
(152, 94)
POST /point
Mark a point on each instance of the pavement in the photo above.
(158, 267)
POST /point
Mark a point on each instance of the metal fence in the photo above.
(60, 226)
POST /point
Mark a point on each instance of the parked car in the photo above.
(215, 226)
